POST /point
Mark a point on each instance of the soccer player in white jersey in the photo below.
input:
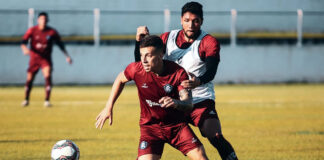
(198, 53)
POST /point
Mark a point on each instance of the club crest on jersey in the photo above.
(193, 140)
(168, 88)
(143, 145)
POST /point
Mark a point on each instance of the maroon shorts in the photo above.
(202, 111)
(179, 136)
(36, 63)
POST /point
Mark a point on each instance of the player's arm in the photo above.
(142, 31)
(210, 47)
(211, 69)
(61, 45)
(24, 42)
(107, 112)
(209, 75)
(183, 104)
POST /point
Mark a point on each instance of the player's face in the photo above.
(151, 59)
(42, 21)
(191, 24)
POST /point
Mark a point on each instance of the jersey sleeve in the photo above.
(209, 52)
(56, 35)
(130, 71)
(28, 34)
(58, 41)
(209, 47)
(182, 76)
(164, 38)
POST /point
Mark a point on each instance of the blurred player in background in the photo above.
(198, 53)
(42, 38)
(163, 102)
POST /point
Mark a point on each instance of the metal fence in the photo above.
(98, 22)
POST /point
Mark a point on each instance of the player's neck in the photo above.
(159, 69)
(40, 27)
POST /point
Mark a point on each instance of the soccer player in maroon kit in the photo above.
(42, 38)
(163, 103)
(198, 53)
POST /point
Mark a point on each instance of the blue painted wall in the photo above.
(241, 64)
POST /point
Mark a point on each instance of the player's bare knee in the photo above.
(149, 157)
(197, 154)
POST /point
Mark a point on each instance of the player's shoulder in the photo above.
(136, 66)
(210, 39)
(172, 66)
(52, 30)
(164, 36)
(133, 69)
(209, 42)
(32, 29)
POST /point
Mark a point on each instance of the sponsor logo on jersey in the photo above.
(38, 45)
(143, 145)
(168, 88)
(144, 85)
(151, 103)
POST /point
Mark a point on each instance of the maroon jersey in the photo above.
(152, 87)
(41, 41)
(209, 46)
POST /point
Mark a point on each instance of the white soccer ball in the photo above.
(65, 150)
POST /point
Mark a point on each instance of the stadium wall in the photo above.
(240, 64)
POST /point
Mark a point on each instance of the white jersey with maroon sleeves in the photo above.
(190, 60)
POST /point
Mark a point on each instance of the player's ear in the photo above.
(181, 20)
(160, 53)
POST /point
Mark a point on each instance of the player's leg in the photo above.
(47, 73)
(151, 144)
(211, 128)
(197, 154)
(205, 117)
(184, 139)
(150, 157)
(32, 70)
(28, 87)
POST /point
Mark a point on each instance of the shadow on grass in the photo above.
(310, 132)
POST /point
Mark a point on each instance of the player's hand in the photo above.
(142, 31)
(103, 116)
(167, 102)
(69, 60)
(191, 83)
(26, 51)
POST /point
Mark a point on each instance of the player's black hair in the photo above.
(193, 7)
(43, 14)
(152, 41)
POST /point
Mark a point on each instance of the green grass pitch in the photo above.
(262, 122)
